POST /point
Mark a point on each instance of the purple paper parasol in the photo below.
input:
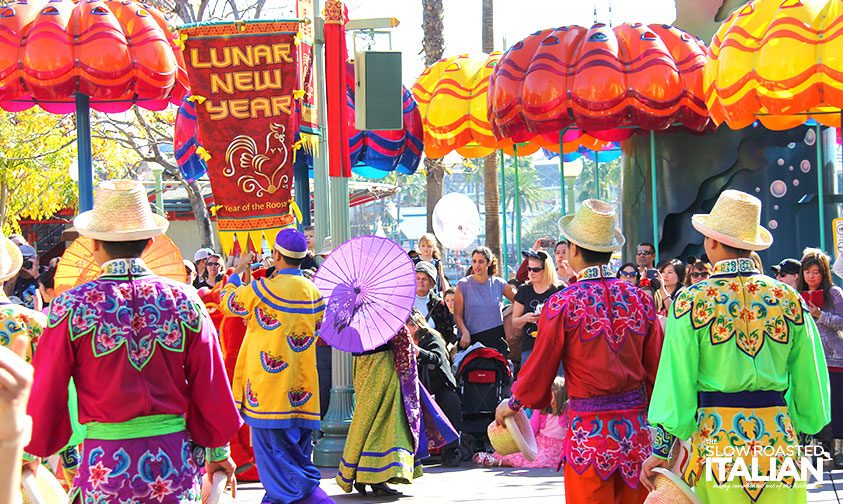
(370, 285)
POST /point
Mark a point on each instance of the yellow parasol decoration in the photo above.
(77, 265)
(452, 95)
(777, 61)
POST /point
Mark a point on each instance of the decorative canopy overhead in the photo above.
(777, 61)
(374, 154)
(187, 145)
(117, 52)
(453, 99)
(599, 79)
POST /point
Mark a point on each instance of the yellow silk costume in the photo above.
(275, 380)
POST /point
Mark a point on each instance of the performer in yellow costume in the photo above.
(276, 385)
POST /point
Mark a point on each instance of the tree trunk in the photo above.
(433, 24)
(488, 24)
(490, 164)
(200, 212)
(492, 205)
(435, 186)
(433, 46)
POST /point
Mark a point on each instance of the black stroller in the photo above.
(484, 379)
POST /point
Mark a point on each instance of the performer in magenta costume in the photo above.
(149, 374)
(605, 333)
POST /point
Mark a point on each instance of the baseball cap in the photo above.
(531, 254)
(202, 254)
(787, 267)
(27, 251)
(426, 268)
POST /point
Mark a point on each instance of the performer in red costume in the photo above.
(231, 331)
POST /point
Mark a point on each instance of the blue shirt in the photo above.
(481, 303)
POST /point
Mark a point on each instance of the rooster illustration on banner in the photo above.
(261, 172)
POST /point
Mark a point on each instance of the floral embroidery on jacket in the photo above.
(608, 442)
(271, 363)
(602, 308)
(142, 314)
(738, 303)
(300, 342)
(298, 397)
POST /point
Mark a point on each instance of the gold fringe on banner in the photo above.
(249, 232)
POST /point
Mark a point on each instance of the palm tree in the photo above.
(433, 46)
(490, 165)
(533, 192)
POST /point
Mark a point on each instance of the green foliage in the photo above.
(531, 190)
(37, 150)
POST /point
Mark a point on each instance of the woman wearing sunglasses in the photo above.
(629, 273)
(542, 283)
(698, 270)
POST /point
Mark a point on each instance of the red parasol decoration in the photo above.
(453, 100)
(68, 56)
(116, 52)
(599, 79)
(607, 81)
(336, 16)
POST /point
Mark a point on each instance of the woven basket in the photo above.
(516, 437)
(43, 489)
(501, 439)
(670, 489)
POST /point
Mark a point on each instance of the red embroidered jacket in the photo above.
(605, 333)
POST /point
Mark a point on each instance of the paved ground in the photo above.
(473, 484)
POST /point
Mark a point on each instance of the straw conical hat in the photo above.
(593, 227)
(516, 437)
(11, 259)
(735, 220)
(121, 213)
(670, 489)
(42, 488)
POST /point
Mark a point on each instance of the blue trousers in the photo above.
(284, 466)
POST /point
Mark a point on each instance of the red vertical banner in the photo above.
(243, 77)
(336, 16)
(308, 126)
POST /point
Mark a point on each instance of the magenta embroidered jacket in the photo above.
(135, 344)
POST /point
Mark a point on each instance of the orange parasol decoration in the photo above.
(599, 79)
(452, 95)
(69, 55)
(77, 264)
(777, 61)
(607, 81)
(118, 53)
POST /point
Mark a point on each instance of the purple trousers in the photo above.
(159, 469)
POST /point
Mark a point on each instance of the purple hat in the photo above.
(291, 243)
